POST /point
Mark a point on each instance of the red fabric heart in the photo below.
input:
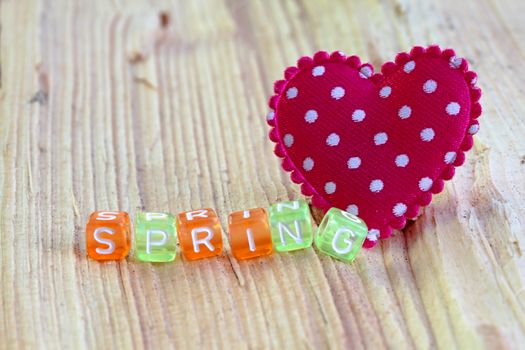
(376, 145)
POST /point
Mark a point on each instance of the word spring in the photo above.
(286, 226)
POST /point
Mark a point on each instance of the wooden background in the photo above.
(160, 106)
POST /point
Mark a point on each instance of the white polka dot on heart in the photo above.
(425, 184)
(365, 72)
(409, 66)
(399, 209)
(380, 138)
(310, 116)
(453, 108)
(373, 234)
(358, 115)
(337, 93)
(354, 162)
(353, 209)
(450, 157)
(329, 187)
(473, 129)
(454, 62)
(288, 140)
(430, 86)
(292, 93)
(308, 164)
(404, 112)
(427, 134)
(270, 115)
(385, 91)
(332, 139)
(376, 186)
(402, 160)
(318, 71)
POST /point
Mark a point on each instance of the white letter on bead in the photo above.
(297, 238)
(153, 216)
(294, 206)
(106, 216)
(251, 243)
(150, 243)
(111, 245)
(349, 242)
(205, 240)
(249, 232)
(201, 213)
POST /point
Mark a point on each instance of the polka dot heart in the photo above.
(376, 144)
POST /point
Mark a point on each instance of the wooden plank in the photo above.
(138, 106)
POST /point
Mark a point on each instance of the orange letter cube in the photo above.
(108, 235)
(250, 235)
(200, 234)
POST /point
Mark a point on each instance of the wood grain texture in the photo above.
(137, 105)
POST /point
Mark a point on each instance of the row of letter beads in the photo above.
(253, 233)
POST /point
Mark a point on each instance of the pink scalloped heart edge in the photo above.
(367, 70)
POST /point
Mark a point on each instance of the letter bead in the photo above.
(200, 234)
(155, 237)
(341, 234)
(108, 235)
(250, 235)
(291, 225)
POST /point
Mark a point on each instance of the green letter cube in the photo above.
(291, 225)
(155, 237)
(341, 234)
